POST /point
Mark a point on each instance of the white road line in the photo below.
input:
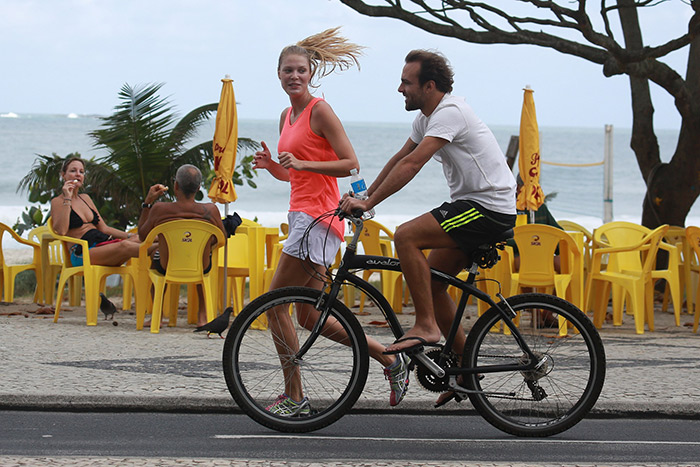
(457, 440)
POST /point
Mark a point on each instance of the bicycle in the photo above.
(519, 376)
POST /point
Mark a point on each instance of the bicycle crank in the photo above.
(428, 379)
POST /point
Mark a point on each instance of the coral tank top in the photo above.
(311, 193)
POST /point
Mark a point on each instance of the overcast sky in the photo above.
(73, 56)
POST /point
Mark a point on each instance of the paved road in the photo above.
(431, 440)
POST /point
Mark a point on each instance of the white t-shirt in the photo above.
(472, 161)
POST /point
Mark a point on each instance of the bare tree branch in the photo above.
(483, 23)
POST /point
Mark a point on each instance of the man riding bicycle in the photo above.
(482, 192)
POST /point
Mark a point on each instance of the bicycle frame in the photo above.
(352, 261)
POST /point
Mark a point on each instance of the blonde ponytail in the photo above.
(326, 51)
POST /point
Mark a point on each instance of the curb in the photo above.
(78, 403)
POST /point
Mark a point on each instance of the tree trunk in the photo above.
(674, 187)
(644, 142)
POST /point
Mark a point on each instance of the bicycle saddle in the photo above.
(486, 255)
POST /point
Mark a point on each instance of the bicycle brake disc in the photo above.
(428, 380)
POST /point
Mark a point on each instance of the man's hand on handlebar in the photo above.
(353, 206)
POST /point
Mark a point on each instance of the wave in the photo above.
(9, 115)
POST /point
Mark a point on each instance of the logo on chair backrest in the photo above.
(187, 237)
(535, 241)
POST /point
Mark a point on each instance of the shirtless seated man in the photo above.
(188, 181)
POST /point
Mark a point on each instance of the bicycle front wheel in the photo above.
(261, 361)
(560, 390)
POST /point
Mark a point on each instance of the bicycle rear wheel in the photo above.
(332, 373)
(550, 398)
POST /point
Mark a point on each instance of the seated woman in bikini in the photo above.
(75, 215)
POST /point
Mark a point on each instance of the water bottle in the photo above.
(359, 189)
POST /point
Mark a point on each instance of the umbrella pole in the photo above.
(225, 296)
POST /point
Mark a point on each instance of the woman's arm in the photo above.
(60, 214)
(325, 123)
(263, 159)
(61, 206)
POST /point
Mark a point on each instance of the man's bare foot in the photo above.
(202, 318)
(147, 323)
(447, 396)
(444, 398)
(414, 338)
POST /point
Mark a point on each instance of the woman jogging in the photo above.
(313, 151)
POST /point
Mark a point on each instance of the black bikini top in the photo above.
(77, 221)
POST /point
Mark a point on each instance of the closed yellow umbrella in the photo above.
(225, 144)
(530, 196)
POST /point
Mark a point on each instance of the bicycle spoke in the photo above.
(330, 374)
(559, 391)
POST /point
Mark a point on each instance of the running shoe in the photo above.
(286, 407)
(397, 374)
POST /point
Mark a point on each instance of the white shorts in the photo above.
(321, 245)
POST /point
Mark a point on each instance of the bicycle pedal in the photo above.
(414, 351)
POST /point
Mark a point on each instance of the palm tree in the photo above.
(144, 145)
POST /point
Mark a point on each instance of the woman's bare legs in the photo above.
(293, 271)
(115, 254)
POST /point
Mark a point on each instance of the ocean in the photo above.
(576, 193)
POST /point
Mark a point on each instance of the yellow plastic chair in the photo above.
(677, 236)
(537, 246)
(378, 240)
(637, 283)
(587, 241)
(692, 235)
(240, 256)
(260, 240)
(51, 262)
(9, 272)
(128, 286)
(270, 270)
(94, 276)
(261, 322)
(186, 240)
(620, 233)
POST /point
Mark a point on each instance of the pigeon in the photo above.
(218, 324)
(106, 306)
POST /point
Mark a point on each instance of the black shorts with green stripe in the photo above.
(470, 224)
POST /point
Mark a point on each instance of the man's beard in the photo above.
(412, 105)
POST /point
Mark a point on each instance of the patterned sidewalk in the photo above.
(68, 365)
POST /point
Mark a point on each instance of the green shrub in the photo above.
(25, 284)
